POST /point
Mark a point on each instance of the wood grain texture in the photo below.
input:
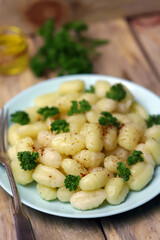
(147, 32)
(124, 58)
(27, 14)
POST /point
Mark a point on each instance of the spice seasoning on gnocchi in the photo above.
(85, 146)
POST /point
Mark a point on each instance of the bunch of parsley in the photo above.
(66, 50)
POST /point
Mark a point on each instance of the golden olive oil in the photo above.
(13, 51)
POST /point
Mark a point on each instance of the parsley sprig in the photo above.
(124, 172)
(20, 117)
(48, 112)
(153, 120)
(90, 90)
(28, 160)
(116, 92)
(65, 50)
(60, 126)
(135, 157)
(79, 107)
(72, 182)
(108, 119)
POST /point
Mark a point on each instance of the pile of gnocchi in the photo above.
(87, 149)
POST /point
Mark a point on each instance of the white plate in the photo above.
(29, 195)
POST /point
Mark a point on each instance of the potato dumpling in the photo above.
(101, 87)
(152, 132)
(94, 180)
(63, 194)
(85, 200)
(141, 175)
(13, 135)
(71, 166)
(154, 148)
(49, 157)
(116, 190)
(71, 86)
(47, 193)
(21, 176)
(111, 163)
(48, 176)
(89, 158)
(68, 143)
(110, 138)
(130, 135)
(94, 139)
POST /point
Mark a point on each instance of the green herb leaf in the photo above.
(135, 157)
(65, 50)
(124, 172)
(20, 117)
(116, 92)
(90, 90)
(28, 160)
(153, 120)
(60, 126)
(79, 107)
(108, 119)
(48, 112)
(72, 182)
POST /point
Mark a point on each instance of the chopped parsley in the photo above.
(153, 120)
(72, 182)
(124, 172)
(28, 160)
(90, 90)
(48, 112)
(79, 107)
(60, 126)
(108, 119)
(135, 157)
(66, 50)
(116, 92)
(20, 117)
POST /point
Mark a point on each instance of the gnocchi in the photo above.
(86, 148)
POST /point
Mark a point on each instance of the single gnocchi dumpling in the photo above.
(71, 166)
(25, 144)
(71, 86)
(101, 87)
(110, 138)
(48, 176)
(49, 157)
(94, 180)
(154, 148)
(32, 129)
(64, 195)
(47, 193)
(141, 175)
(116, 190)
(68, 143)
(85, 200)
(111, 163)
(130, 135)
(152, 132)
(94, 139)
(89, 159)
(106, 104)
(13, 136)
(146, 154)
(21, 176)
(47, 99)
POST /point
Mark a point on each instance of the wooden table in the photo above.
(134, 54)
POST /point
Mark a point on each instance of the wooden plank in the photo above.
(27, 14)
(47, 226)
(121, 58)
(147, 33)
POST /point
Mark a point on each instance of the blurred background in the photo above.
(28, 14)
